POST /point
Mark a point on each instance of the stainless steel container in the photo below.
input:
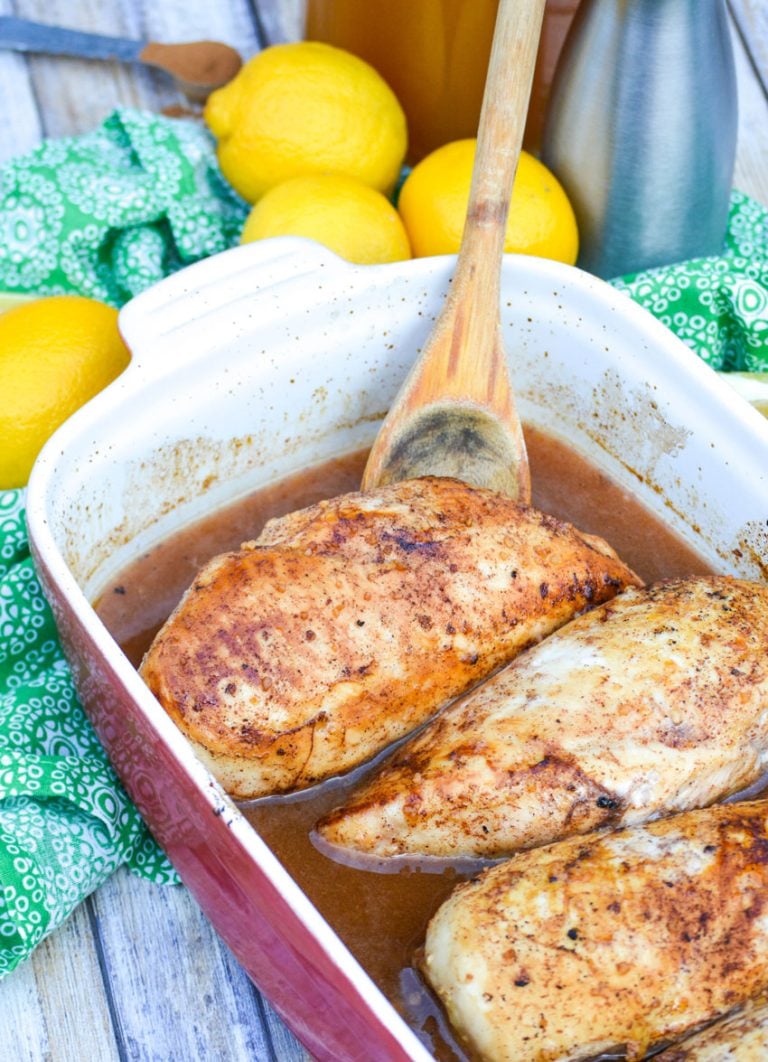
(641, 130)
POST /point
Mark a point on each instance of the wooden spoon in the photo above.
(455, 414)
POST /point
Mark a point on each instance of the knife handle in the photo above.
(21, 35)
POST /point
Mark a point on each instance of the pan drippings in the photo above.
(381, 916)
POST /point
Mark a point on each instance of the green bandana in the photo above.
(65, 822)
(718, 305)
(111, 212)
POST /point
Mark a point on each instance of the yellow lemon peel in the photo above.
(55, 354)
(357, 222)
(303, 108)
(434, 197)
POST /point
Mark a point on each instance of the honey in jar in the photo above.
(434, 55)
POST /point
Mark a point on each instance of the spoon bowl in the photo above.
(455, 414)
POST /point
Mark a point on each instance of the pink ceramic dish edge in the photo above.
(275, 356)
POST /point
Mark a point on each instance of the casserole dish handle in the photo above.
(213, 285)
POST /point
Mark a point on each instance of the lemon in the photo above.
(304, 108)
(55, 354)
(434, 197)
(357, 222)
(750, 385)
(9, 299)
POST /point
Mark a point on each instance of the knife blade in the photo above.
(198, 67)
(23, 35)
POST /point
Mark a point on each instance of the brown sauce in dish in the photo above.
(381, 917)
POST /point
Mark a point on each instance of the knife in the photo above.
(197, 66)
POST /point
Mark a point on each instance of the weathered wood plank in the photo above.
(20, 124)
(53, 1008)
(21, 1016)
(75, 95)
(751, 16)
(78, 1025)
(175, 20)
(751, 171)
(177, 992)
(280, 21)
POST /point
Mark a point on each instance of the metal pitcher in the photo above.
(641, 130)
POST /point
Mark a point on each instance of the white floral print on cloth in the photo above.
(718, 306)
(66, 823)
(110, 212)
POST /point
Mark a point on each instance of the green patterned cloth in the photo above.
(106, 215)
(718, 306)
(65, 822)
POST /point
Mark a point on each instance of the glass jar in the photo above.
(434, 55)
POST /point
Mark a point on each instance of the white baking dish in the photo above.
(275, 356)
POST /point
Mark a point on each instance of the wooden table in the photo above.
(137, 973)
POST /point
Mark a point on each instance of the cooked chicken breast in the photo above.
(653, 703)
(346, 625)
(634, 937)
(741, 1037)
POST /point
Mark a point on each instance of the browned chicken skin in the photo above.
(652, 703)
(348, 624)
(629, 938)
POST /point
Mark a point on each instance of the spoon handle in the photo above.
(455, 414)
(500, 133)
(475, 287)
